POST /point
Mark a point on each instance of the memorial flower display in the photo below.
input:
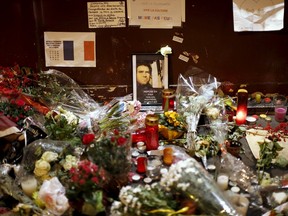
(16, 110)
(82, 164)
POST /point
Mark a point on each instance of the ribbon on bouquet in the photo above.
(170, 211)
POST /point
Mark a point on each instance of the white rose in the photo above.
(165, 50)
(70, 161)
(49, 156)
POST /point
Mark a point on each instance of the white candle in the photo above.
(222, 181)
(29, 185)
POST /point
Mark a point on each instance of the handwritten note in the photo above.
(106, 14)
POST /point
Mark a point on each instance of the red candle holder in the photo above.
(141, 164)
(242, 100)
(168, 99)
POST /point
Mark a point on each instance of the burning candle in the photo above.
(242, 100)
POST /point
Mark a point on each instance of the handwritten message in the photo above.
(106, 14)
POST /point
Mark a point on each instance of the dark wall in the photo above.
(259, 59)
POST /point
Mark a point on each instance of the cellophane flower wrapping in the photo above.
(34, 151)
(52, 193)
(189, 177)
(118, 113)
(194, 90)
(57, 89)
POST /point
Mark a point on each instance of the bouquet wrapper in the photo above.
(194, 90)
(118, 113)
(189, 177)
(34, 151)
(58, 89)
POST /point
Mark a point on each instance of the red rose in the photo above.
(88, 138)
(121, 141)
(20, 102)
(116, 132)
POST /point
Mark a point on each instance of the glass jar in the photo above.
(168, 156)
(168, 99)
(242, 101)
(151, 131)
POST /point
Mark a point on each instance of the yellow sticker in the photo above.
(263, 116)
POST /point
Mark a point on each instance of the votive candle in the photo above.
(242, 100)
(280, 113)
(222, 181)
(29, 185)
(141, 164)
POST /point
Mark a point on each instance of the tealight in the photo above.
(136, 177)
(147, 180)
(251, 120)
(135, 154)
(235, 189)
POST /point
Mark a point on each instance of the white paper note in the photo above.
(258, 15)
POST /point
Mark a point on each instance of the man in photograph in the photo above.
(145, 92)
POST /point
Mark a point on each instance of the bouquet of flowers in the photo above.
(171, 124)
(112, 153)
(61, 124)
(85, 187)
(57, 89)
(16, 110)
(190, 178)
(205, 146)
(144, 200)
(15, 80)
(194, 91)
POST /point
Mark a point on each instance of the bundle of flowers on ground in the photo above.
(186, 188)
(194, 91)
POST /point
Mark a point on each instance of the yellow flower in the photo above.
(38, 201)
(42, 168)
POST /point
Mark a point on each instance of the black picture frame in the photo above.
(149, 93)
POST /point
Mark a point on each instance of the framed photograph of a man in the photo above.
(150, 77)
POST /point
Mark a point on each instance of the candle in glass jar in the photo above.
(222, 181)
(29, 185)
(168, 156)
(151, 132)
(168, 99)
(141, 164)
(242, 100)
(280, 113)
